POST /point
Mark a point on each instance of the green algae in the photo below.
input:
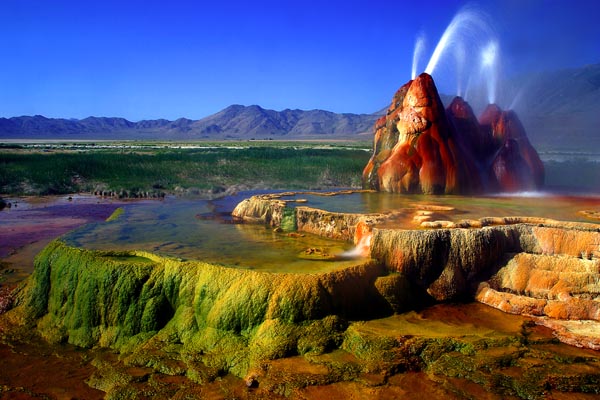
(233, 317)
(288, 220)
(198, 320)
(116, 214)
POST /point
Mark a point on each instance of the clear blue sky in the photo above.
(169, 59)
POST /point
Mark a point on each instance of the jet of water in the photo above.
(469, 35)
(460, 55)
(489, 66)
(464, 20)
(417, 53)
(516, 99)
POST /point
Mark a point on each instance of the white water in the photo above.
(463, 26)
(417, 53)
(489, 67)
(470, 50)
(362, 249)
(461, 55)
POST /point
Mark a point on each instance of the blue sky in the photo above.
(170, 59)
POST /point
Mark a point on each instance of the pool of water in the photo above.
(202, 230)
(529, 204)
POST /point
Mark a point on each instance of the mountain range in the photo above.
(233, 122)
(559, 109)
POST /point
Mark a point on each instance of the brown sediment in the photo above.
(31, 368)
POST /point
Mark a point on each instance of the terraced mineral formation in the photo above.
(523, 265)
(199, 320)
(421, 148)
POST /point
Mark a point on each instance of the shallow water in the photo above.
(529, 204)
(202, 230)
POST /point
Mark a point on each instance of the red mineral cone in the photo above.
(425, 157)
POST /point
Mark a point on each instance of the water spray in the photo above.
(460, 55)
(417, 53)
(489, 64)
(464, 20)
(468, 36)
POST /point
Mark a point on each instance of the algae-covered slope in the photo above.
(120, 299)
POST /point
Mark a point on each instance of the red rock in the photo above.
(415, 151)
(362, 238)
(510, 169)
(421, 148)
(488, 121)
(512, 129)
(475, 140)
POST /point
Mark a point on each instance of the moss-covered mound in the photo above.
(196, 321)
(121, 299)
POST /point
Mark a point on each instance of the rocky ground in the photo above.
(445, 351)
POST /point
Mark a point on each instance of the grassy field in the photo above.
(56, 168)
(34, 168)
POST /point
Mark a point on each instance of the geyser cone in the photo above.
(512, 129)
(468, 131)
(415, 149)
(476, 143)
(511, 171)
(421, 148)
(488, 120)
(515, 163)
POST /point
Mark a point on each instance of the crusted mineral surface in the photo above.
(524, 265)
(360, 329)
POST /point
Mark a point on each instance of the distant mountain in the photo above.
(559, 109)
(255, 121)
(234, 122)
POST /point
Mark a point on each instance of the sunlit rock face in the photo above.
(421, 148)
(415, 150)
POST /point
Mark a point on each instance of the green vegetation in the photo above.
(116, 214)
(174, 316)
(151, 168)
(233, 317)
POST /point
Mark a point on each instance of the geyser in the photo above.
(489, 57)
(421, 148)
(467, 33)
(419, 49)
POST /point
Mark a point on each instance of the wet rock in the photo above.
(251, 380)
(285, 313)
